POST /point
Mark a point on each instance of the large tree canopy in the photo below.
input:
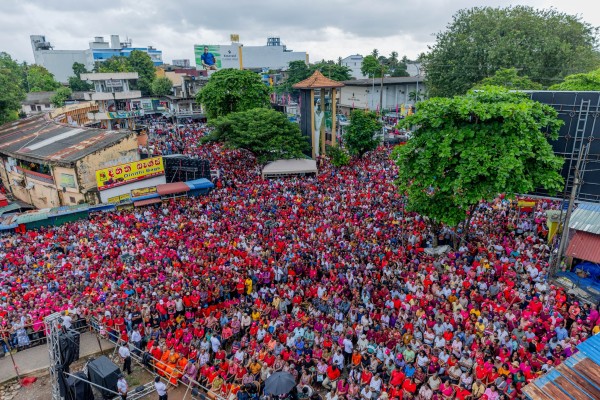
(265, 132)
(75, 82)
(589, 81)
(376, 65)
(162, 86)
(232, 90)
(474, 147)
(510, 79)
(545, 45)
(138, 61)
(39, 79)
(12, 92)
(361, 135)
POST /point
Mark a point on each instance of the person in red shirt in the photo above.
(333, 373)
(461, 392)
(397, 377)
(409, 386)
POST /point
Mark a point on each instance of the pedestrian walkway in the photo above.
(36, 360)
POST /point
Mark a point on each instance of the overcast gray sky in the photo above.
(325, 29)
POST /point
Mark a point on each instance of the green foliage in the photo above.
(75, 82)
(162, 86)
(12, 92)
(374, 64)
(331, 70)
(138, 61)
(589, 81)
(339, 156)
(143, 65)
(297, 71)
(263, 131)
(115, 64)
(61, 95)
(510, 79)
(360, 134)
(232, 90)
(542, 44)
(473, 147)
(39, 79)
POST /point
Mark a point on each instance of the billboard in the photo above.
(135, 193)
(222, 56)
(123, 174)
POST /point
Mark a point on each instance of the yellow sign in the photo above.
(126, 173)
(143, 192)
(119, 199)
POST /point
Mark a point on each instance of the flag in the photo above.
(396, 109)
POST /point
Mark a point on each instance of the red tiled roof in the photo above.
(585, 246)
(316, 81)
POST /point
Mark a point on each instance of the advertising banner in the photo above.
(135, 193)
(67, 180)
(119, 199)
(216, 56)
(123, 174)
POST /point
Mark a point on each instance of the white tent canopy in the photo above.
(294, 166)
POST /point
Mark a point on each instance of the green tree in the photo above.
(473, 147)
(39, 79)
(232, 90)
(162, 86)
(12, 93)
(583, 82)
(361, 134)
(372, 67)
(338, 155)
(75, 82)
(510, 79)
(545, 45)
(61, 95)
(331, 70)
(267, 133)
(297, 71)
(115, 64)
(144, 66)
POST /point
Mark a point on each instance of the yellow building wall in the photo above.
(41, 195)
(122, 152)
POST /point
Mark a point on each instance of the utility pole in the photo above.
(381, 92)
(574, 189)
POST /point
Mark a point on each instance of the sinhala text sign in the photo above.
(123, 174)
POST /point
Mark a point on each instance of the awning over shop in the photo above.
(172, 188)
(146, 202)
(200, 184)
(585, 246)
(290, 167)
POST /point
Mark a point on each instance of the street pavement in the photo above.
(35, 361)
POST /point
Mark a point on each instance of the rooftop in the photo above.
(586, 218)
(317, 80)
(40, 138)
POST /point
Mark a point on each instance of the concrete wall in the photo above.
(355, 64)
(60, 62)
(365, 97)
(122, 152)
(271, 57)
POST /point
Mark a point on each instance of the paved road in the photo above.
(35, 360)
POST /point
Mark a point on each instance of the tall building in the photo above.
(60, 62)
(273, 56)
(354, 62)
(113, 94)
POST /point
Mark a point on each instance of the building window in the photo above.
(72, 199)
(47, 105)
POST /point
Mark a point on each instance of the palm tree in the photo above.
(375, 53)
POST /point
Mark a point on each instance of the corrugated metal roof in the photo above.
(585, 246)
(586, 218)
(40, 138)
(576, 378)
(201, 183)
(31, 217)
(9, 208)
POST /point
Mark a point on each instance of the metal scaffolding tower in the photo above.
(52, 323)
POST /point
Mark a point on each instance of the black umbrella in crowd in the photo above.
(279, 383)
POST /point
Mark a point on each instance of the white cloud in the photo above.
(324, 28)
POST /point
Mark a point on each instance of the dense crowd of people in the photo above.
(326, 277)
